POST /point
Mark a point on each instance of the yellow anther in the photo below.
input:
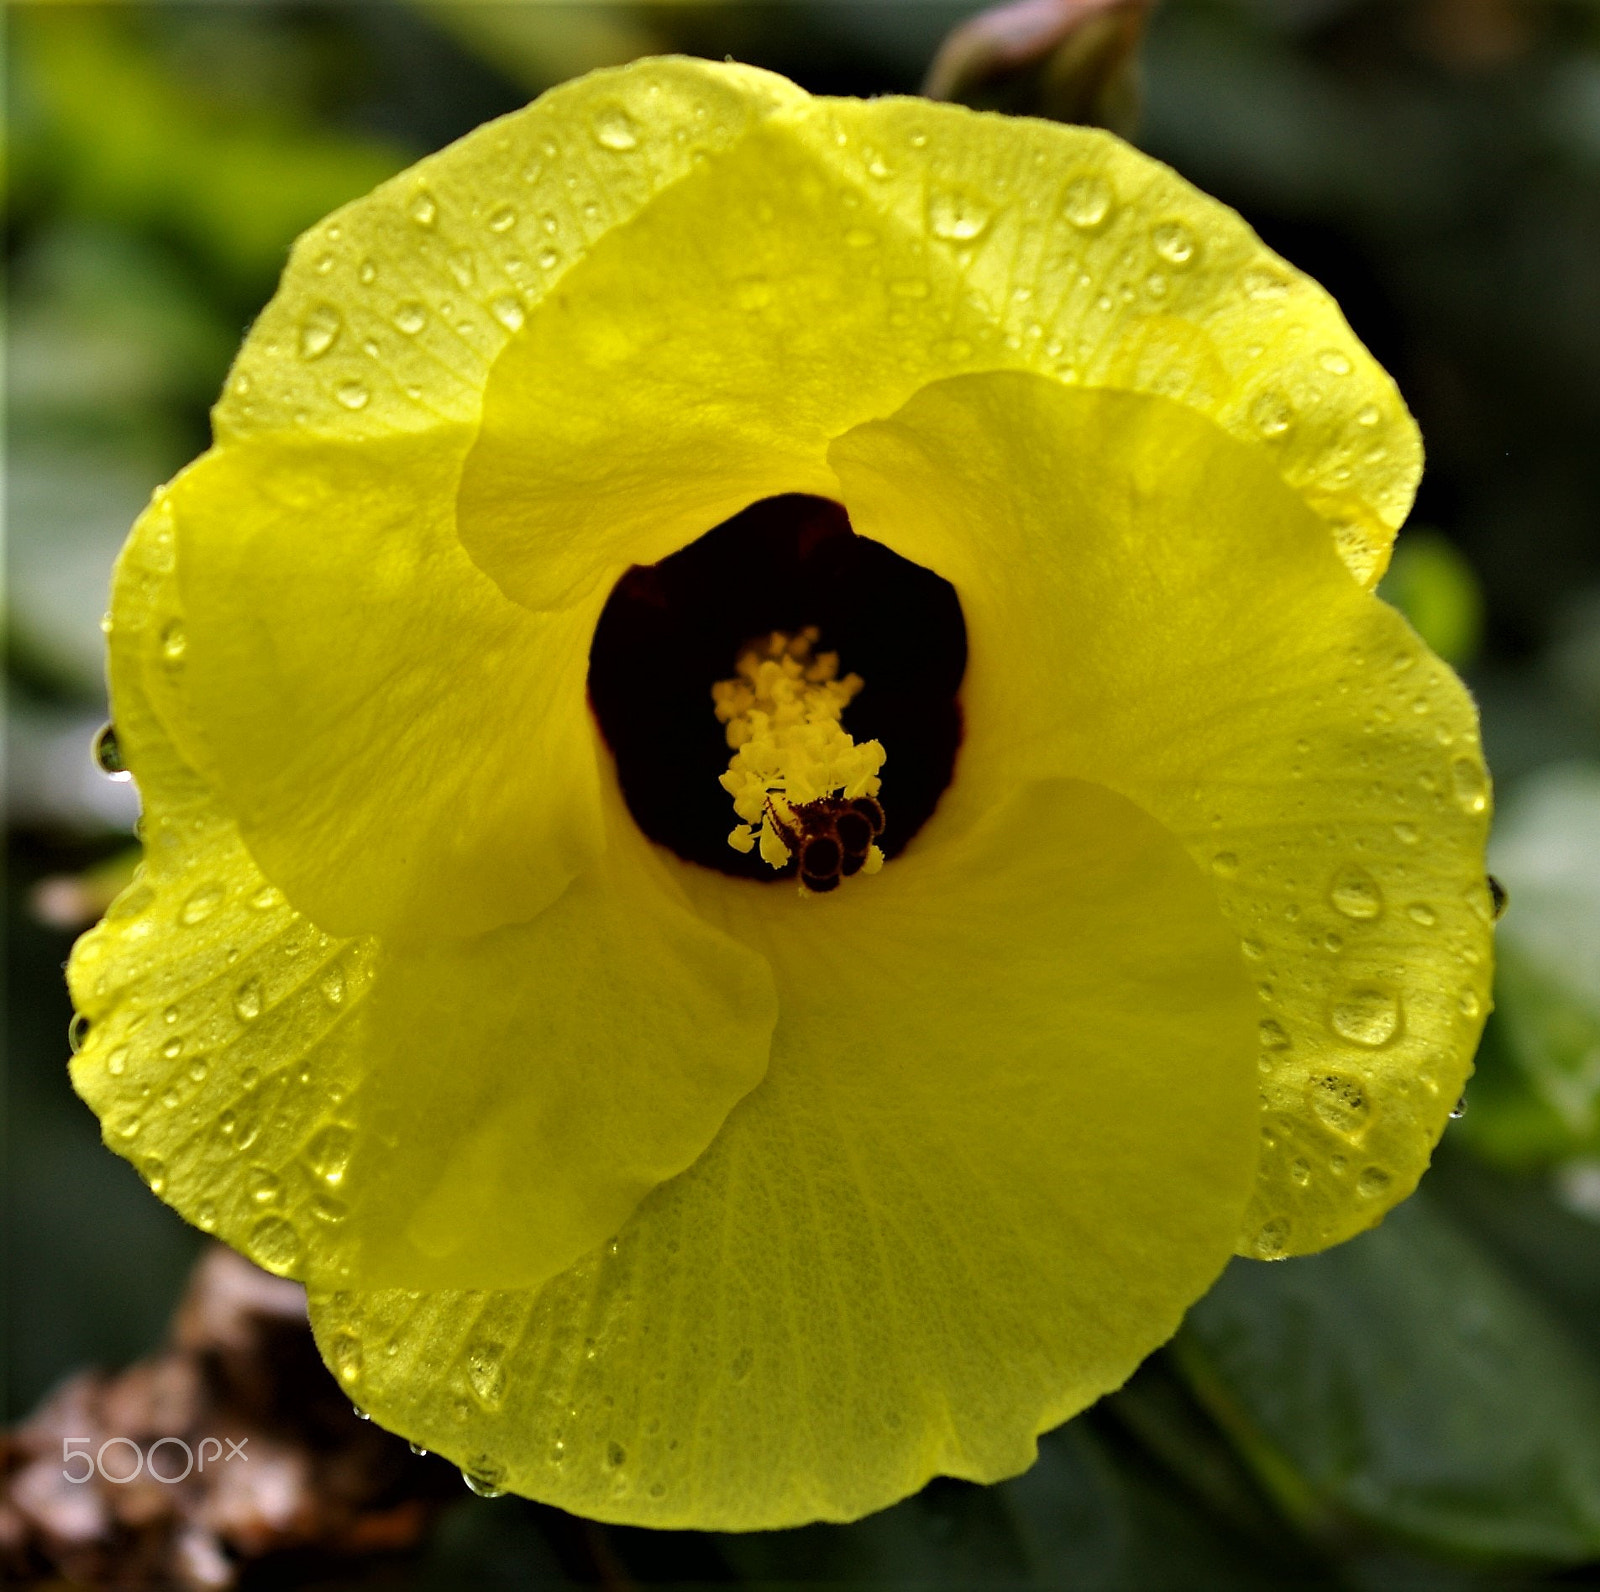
(799, 783)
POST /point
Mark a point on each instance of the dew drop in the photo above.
(319, 330)
(332, 985)
(1499, 897)
(77, 1032)
(422, 209)
(410, 317)
(1355, 894)
(1273, 1239)
(172, 1049)
(1406, 834)
(154, 1172)
(1272, 414)
(1225, 864)
(486, 1373)
(328, 1154)
(616, 1455)
(1340, 1101)
(205, 1215)
(1086, 202)
(1367, 415)
(484, 1477)
(117, 1061)
(202, 904)
(1273, 1034)
(508, 311)
(345, 1354)
(352, 394)
(263, 1185)
(1421, 912)
(1372, 1182)
(1173, 242)
(327, 1209)
(615, 129)
(107, 754)
(1368, 1016)
(957, 217)
(463, 268)
(1263, 285)
(247, 1001)
(1471, 785)
(174, 641)
(368, 273)
(1334, 362)
(1300, 1170)
(275, 1245)
(549, 259)
(1469, 1003)
(198, 1069)
(267, 897)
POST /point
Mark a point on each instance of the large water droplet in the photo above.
(275, 1245)
(77, 1032)
(1340, 1101)
(1086, 202)
(1173, 242)
(108, 754)
(410, 317)
(1356, 894)
(615, 129)
(958, 217)
(328, 1154)
(1273, 1238)
(507, 309)
(484, 1477)
(1367, 1016)
(319, 330)
(1471, 784)
(1372, 1182)
(202, 904)
(247, 1000)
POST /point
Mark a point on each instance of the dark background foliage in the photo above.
(1419, 1409)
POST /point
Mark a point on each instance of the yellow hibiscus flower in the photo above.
(662, 1189)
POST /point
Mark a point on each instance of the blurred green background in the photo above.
(1419, 1409)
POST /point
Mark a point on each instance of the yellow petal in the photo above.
(404, 749)
(1147, 605)
(490, 1107)
(1005, 1139)
(839, 256)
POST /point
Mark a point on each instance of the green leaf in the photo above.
(1087, 1515)
(1404, 1382)
(1435, 588)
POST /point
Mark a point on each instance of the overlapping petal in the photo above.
(1005, 1138)
(484, 1108)
(1149, 606)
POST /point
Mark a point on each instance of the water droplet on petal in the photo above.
(1372, 1182)
(616, 1455)
(275, 1245)
(508, 311)
(108, 754)
(77, 1032)
(352, 395)
(1086, 202)
(1272, 414)
(328, 1154)
(174, 641)
(1421, 912)
(1225, 865)
(117, 1061)
(486, 1373)
(1273, 1034)
(263, 1185)
(1471, 784)
(418, 1450)
(332, 985)
(422, 209)
(410, 317)
(247, 1001)
(319, 330)
(345, 1354)
(958, 217)
(1273, 1238)
(1334, 362)
(484, 1477)
(1173, 242)
(1356, 894)
(615, 129)
(202, 904)
(1368, 1016)
(503, 219)
(1263, 285)
(1340, 1101)
(1499, 897)
(1300, 1170)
